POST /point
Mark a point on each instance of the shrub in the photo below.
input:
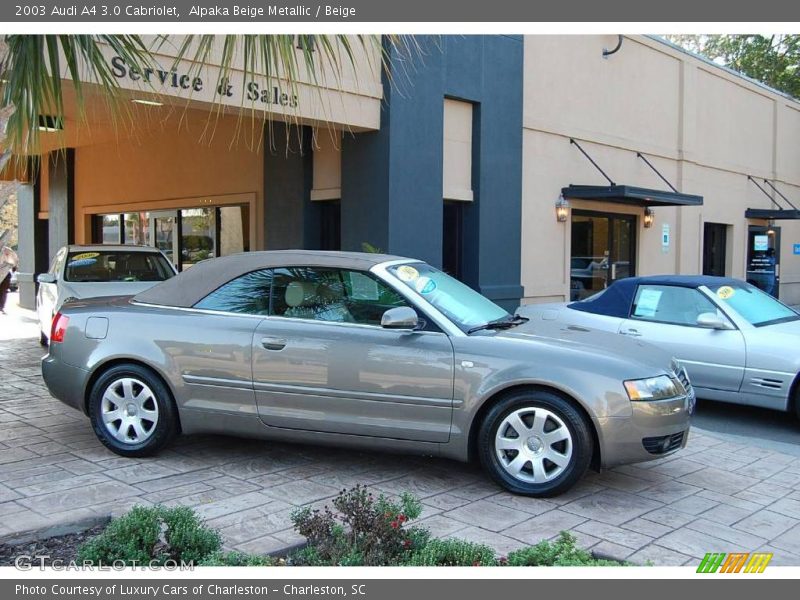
(152, 535)
(452, 553)
(364, 530)
(240, 559)
(561, 553)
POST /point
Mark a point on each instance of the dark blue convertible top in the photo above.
(616, 299)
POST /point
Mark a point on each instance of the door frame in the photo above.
(176, 233)
(612, 216)
(777, 246)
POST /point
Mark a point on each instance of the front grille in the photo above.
(663, 444)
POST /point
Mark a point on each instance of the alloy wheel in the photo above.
(129, 410)
(533, 445)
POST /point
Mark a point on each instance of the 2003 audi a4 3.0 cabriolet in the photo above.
(371, 351)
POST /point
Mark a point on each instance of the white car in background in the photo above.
(79, 272)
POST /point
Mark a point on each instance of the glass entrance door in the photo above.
(764, 258)
(164, 234)
(603, 250)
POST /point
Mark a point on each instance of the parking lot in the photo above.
(734, 488)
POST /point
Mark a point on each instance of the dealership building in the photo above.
(534, 168)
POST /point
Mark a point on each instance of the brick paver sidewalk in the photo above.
(714, 496)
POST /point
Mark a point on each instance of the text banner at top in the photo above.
(406, 11)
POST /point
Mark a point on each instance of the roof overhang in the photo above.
(630, 195)
(772, 213)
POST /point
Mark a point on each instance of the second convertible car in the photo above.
(372, 351)
(739, 344)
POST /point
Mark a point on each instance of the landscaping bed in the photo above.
(357, 529)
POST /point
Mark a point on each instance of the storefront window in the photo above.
(109, 229)
(198, 235)
(137, 228)
(186, 236)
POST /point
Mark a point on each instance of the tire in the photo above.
(148, 419)
(525, 467)
(43, 341)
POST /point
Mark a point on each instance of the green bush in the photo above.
(240, 559)
(452, 553)
(152, 535)
(561, 553)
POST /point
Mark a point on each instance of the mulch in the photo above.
(59, 548)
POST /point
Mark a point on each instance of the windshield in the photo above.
(755, 306)
(98, 266)
(458, 302)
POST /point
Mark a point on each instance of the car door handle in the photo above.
(271, 343)
(631, 332)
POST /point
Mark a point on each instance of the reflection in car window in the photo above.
(671, 304)
(320, 294)
(755, 306)
(336, 295)
(458, 302)
(248, 294)
(100, 266)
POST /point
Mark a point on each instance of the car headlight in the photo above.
(653, 388)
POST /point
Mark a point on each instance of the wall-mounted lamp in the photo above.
(771, 227)
(649, 217)
(562, 209)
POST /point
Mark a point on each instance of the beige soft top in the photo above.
(188, 288)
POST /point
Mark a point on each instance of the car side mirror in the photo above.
(46, 278)
(711, 320)
(401, 317)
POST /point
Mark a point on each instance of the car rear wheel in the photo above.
(42, 339)
(132, 411)
(535, 443)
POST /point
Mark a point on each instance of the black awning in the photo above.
(776, 214)
(631, 195)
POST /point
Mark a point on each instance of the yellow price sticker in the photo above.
(84, 256)
(725, 292)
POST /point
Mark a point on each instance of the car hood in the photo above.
(105, 288)
(591, 341)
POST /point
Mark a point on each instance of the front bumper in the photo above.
(653, 430)
(65, 382)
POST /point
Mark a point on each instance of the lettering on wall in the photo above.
(172, 78)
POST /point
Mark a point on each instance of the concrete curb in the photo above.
(57, 529)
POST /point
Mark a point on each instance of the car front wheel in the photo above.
(132, 411)
(535, 443)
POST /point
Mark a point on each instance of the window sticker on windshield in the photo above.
(407, 273)
(83, 256)
(425, 285)
(84, 262)
(725, 292)
(647, 303)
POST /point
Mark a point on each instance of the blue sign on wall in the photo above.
(796, 249)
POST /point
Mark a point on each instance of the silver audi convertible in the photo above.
(370, 351)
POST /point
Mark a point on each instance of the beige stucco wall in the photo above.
(169, 166)
(702, 127)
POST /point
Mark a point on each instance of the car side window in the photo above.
(247, 294)
(670, 304)
(334, 295)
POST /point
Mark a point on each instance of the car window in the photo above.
(465, 307)
(671, 304)
(753, 304)
(116, 266)
(334, 295)
(248, 294)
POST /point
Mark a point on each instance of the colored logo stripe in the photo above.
(735, 562)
